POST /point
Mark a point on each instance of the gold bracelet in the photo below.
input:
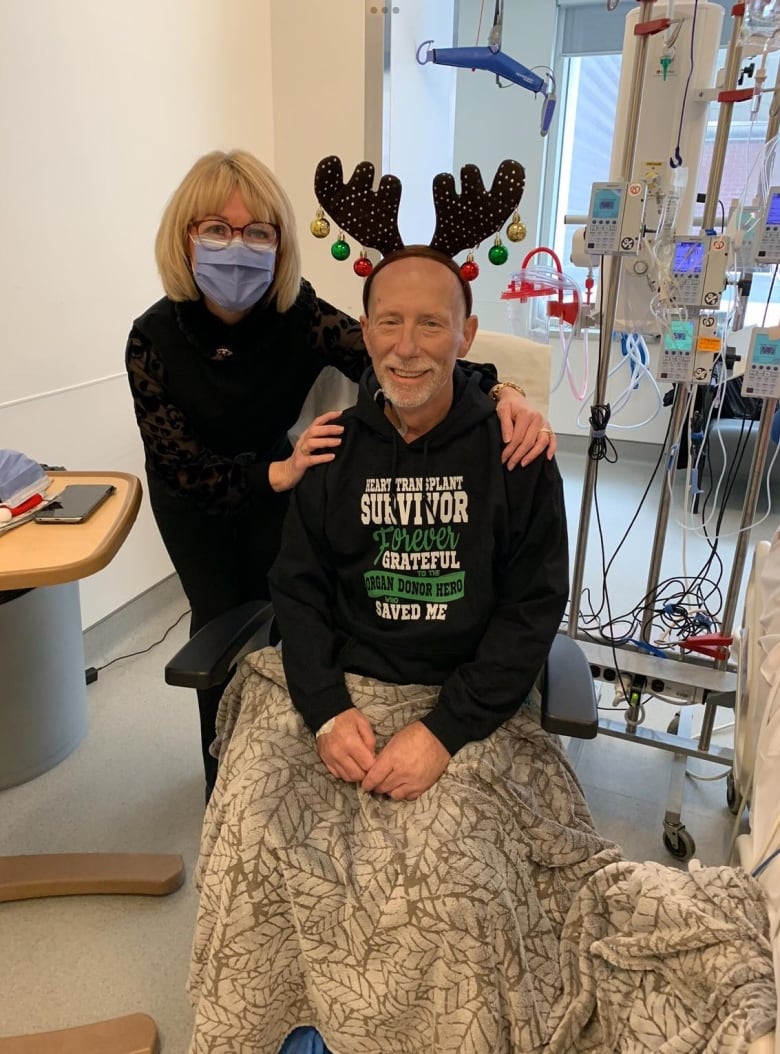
(496, 390)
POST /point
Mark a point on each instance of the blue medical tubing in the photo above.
(765, 863)
(642, 645)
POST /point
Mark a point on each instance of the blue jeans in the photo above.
(304, 1041)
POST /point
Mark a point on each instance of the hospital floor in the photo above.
(135, 784)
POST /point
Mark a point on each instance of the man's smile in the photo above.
(407, 374)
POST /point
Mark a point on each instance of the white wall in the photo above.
(103, 107)
(421, 112)
(327, 85)
(492, 124)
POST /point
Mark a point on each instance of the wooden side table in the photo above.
(43, 717)
(43, 697)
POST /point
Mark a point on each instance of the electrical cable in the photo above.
(594, 615)
(767, 842)
(676, 161)
(479, 24)
(641, 502)
(765, 863)
(600, 446)
(143, 651)
(769, 295)
(675, 603)
(713, 543)
(707, 779)
(620, 676)
(743, 442)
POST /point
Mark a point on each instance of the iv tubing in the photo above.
(565, 344)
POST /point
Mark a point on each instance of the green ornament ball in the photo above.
(498, 254)
(340, 250)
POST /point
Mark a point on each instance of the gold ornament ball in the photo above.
(516, 231)
(320, 227)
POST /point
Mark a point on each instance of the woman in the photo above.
(219, 370)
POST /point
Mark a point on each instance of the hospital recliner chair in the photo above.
(568, 696)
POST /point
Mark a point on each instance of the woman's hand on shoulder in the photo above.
(314, 447)
(526, 431)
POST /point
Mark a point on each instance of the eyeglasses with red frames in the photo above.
(216, 233)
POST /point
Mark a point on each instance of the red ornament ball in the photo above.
(469, 270)
(362, 267)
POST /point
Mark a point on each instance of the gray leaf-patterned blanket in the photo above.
(654, 959)
(471, 920)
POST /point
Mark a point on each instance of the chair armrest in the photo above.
(568, 694)
(208, 657)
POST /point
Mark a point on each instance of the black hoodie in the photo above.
(422, 563)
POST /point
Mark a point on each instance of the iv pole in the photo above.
(610, 306)
(681, 391)
(756, 468)
(733, 61)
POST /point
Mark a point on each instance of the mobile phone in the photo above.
(76, 503)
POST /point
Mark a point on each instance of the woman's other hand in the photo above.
(525, 431)
(314, 447)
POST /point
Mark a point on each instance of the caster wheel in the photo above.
(733, 795)
(674, 725)
(680, 845)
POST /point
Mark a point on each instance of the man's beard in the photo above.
(411, 396)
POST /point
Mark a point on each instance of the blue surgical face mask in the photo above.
(236, 277)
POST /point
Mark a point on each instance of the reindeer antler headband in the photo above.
(462, 220)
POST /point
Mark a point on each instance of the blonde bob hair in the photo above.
(203, 192)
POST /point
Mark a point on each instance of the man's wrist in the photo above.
(496, 390)
(325, 728)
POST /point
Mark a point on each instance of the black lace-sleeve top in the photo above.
(214, 402)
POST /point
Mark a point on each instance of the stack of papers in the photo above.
(23, 484)
(17, 521)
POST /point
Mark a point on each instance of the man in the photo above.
(404, 891)
(447, 572)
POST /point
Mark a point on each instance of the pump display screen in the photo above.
(688, 257)
(767, 352)
(679, 337)
(606, 204)
(773, 213)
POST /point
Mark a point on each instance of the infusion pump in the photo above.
(615, 218)
(689, 350)
(761, 379)
(698, 270)
(768, 234)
